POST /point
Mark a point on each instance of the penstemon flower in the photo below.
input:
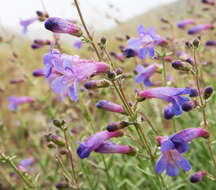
(110, 106)
(59, 25)
(145, 43)
(198, 28)
(26, 23)
(184, 23)
(94, 142)
(198, 176)
(64, 72)
(168, 94)
(15, 101)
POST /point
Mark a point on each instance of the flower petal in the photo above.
(133, 43)
(139, 78)
(172, 170)
(58, 85)
(161, 165)
(184, 164)
(140, 68)
(151, 51)
(142, 53)
(167, 145)
(73, 91)
(141, 29)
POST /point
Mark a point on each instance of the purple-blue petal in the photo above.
(133, 43)
(73, 91)
(147, 82)
(151, 51)
(180, 145)
(172, 169)
(141, 29)
(167, 145)
(142, 53)
(184, 164)
(139, 78)
(83, 151)
(58, 85)
(161, 165)
(140, 68)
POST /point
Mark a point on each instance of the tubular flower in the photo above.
(179, 141)
(61, 70)
(145, 43)
(198, 28)
(78, 44)
(59, 25)
(110, 147)
(15, 101)
(210, 43)
(26, 23)
(183, 23)
(168, 94)
(27, 162)
(94, 142)
(145, 74)
(110, 106)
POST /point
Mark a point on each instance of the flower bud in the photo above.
(198, 176)
(196, 43)
(103, 40)
(132, 151)
(110, 106)
(188, 44)
(50, 145)
(57, 140)
(63, 151)
(61, 185)
(179, 65)
(194, 92)
(111, 75)
(59, 25)
(129, 53)
(57, 123)
(38, 73)
(188, 106)
(117, 125)
(97, 84)
(210, 43)
(119, 71)
(208, 92)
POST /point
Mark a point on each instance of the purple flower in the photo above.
(27, 162)
(78, 44)
(145, 43)
(172, 160)
(26, 23)
(198, 28)
(110, 106)
(94, 142)
(59, 25)
(198, 176)
(61, 70)
(15, 101)
(179, 141)
(210, 43)
(209, 2)
(168, 94)
(184, 57)
(110, 147)
(183, 23)
(145, 74)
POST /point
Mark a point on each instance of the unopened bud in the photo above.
(111, 75)
(50, 145)
(119, 71)
(117, 125)
(103, 40)
(140, 99)
(132, 151)
(198, 176)
(188, 44)
(97, 84)
(179, 65)
(57, 140)
(208, 92)
(63, 151)
(194, 92)
(129, 53)
(196, 43)
(188, 106)
(57, 123)
(110, 106)
(61, 185)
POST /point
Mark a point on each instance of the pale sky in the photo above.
(94, 11)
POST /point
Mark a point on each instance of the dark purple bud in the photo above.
(194, 92)
(129, 53)
(208, 92)
(111, 75)
(188, 106)
(103, 40)
(196, 43)
(198, 176)
(38, 73)
(122, 48)
(188, 44)
(209, 2)
(35, 46)
(179, 65)
(110, 106)
(119, 71)
(96, 84)
(61, 185)
(117, 126)
(39, 13)
(57, 123)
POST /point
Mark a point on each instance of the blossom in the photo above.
(179, 141)
(145, 74)
(27, 162)
(94, 142)
(209, 2)
(145, 43)
(198, 28)
(59, 25)
(210, 43)
(15, 101)
(110, 147)
(183, 23)
(198, 176)
(110, 106)
(27, 22)
(78, 44)
(61, 70)
(171, 161)
(168, 94)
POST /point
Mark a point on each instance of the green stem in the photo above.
(164, 71)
